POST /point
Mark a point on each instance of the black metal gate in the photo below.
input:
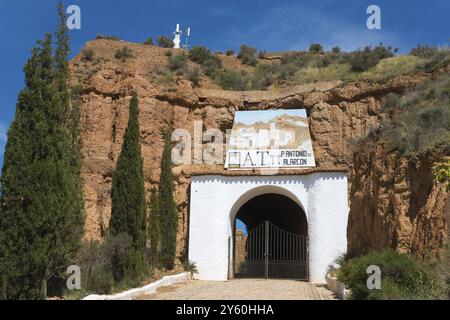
(273, 253)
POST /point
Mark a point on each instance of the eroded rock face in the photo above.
(396, 203)
(337, 112)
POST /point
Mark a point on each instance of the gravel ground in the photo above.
(242, 289)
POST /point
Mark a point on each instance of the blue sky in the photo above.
(219, 24)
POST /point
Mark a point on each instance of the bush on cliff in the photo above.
(233, 80)
(87, 54)
(123, 54)
(107, 37)
(439, 60)
(177, 62)
(442, 172)
(248, 55)
(211, 64)
(364, 59)
(402, 277)
(315, 48)
(148, 41)
(165, 42)
(422, 119)
(194, 75)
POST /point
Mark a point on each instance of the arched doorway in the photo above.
(270, 238)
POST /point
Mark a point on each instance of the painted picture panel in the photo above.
(270, 139)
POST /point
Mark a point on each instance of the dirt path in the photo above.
(245, 289)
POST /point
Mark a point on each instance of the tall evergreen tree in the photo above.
(24, 221)
(128, 213)
(168, 218)
(68, 107)
(41, 216)
(154, 228)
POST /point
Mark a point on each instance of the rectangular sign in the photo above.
(270, 139)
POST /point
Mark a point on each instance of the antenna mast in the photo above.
(188, 34)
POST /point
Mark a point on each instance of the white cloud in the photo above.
(295, 27)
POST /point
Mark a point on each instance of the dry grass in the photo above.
(391, 67)
(385, 69)
(313, 74)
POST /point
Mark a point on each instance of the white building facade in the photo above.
(216, 200)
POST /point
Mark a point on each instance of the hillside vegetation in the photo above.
(419, 120)
(376, 64)
(250, 69)
(403, 277)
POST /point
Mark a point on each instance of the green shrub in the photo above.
(210, 63)
(163, 76)
(190, 267)
(264, 76)
(233, 80)
(122, 259)
(148, 41)
(297, 59)
(212, 66)
(247, 55)
(262, 54)
(107, 37)
(300, 60)
(435, 58)
(177, 62)
(362, 60)
(87, 54)
(439, 60)
(315, 48)
(106, 265)
(193, 75)
(424, 52)
(423, 119)
(165, 42)
(123, 54)
(336, 50)
(402, 277)
(442, 175)
(101, 281)
(200, 54)
(419, 130)
(230, 52)
(390, 102)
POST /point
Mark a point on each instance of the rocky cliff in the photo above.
(393, 202)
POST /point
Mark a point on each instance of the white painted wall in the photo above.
(215, 201)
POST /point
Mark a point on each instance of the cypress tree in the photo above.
(128, 213)
(41, 217)
(24, 222)
(154, 228)
(168, 218)
(68, 109)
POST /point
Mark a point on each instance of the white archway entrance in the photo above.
(216, 200)
(270, 238)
